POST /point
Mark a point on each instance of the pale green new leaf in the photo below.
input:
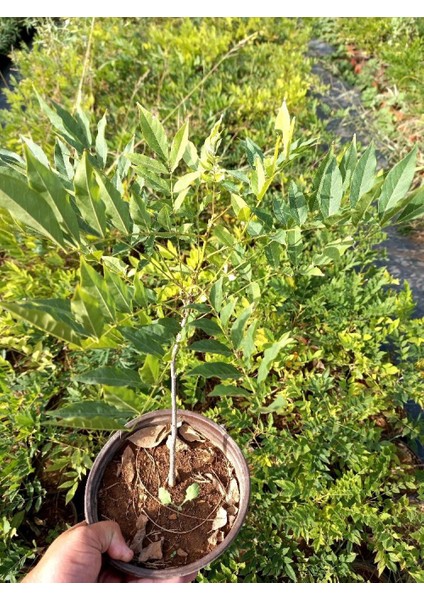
(178, 147)
(164, 496)
(154, 133)
(363, 178)
(271, 354)
(397, 183)
(29, 207)
(192, 492)
(101, 145)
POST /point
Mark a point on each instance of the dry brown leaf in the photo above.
(137, 542)
(142, 521)
(216, 538)
(172, 517)
(152, 552)
(127, 465)
(231, 519)
(216, 483)
(150, 437)
(220, 519)
(232, 510)
(233, 494)
(189, 434)
(180, 445)
(182, 553)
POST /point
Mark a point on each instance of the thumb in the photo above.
(106, 536)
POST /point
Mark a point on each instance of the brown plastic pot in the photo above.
(217, 436)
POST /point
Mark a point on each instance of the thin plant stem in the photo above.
(85, 65)
(174, 418)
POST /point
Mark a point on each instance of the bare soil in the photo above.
(179, 533)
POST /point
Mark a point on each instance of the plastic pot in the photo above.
(211, 431)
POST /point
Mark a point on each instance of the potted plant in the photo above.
(179, 260)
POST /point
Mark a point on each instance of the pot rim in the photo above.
(229, 448)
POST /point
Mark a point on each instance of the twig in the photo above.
(173, 436)
(85, 65)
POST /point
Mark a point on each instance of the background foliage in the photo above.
(275, 249)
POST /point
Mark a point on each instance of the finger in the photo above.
(106, 536)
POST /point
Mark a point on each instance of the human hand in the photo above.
(76, 557)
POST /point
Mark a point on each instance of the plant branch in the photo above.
(173, 435)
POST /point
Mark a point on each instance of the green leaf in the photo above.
(94, 283)
(164, 496)
(363, 178)
(185, 182)
(116, 208)
(62, 160)
(271, 354)
(178, 147)
(87, 312)
(229, 390)
(227, 311)
(247, 344)
(211, 346)
(282, 212)
(145, 164)
(216, 294)
(413, 209)
(216, 369)
(119, 291)
(51, 316)
(150, 339)
(44, 181)
(101, 145)
(397, 183)
(294, 244)
(330, 189)
(192, 492)
(237, 330)
(29, 207)
(112, 376)
(91, 415)
(87, 196)
(332, 252)
(240, 207)
(70, 129)
(209, 326)
(36, 151)
(154, 133)
(348, 164)
(298, 204)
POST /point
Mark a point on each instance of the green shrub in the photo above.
(12, 30)
(294, 340)
(202, 66)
